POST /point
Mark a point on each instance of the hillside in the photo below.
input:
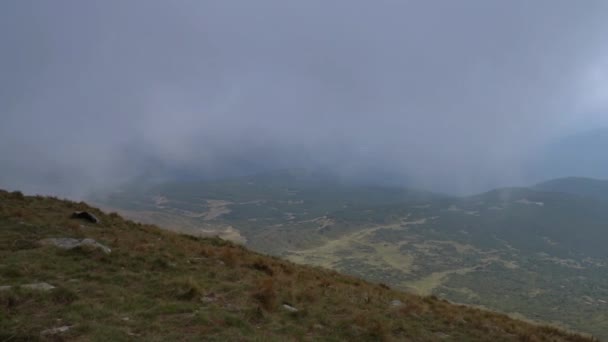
(577, 186)
(524, 251)
(155, 285)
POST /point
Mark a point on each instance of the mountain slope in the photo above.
(524, 251)
(156, 285)
(581, 186)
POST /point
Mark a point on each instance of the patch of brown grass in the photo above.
(265, 294)
(262, 266)
(229, 256)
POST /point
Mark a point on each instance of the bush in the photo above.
(261, 266)
(228, 256)
(266, 294)
(185, 289)
(18, 195)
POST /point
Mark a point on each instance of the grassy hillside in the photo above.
(156, 285)
(524, 251)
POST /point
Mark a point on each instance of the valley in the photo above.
(99, 277)
(523, 251)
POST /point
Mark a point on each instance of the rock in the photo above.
(55, 331)
(209, 298)
(95, 244)
(34, 286)
(85, 215)
(442, 336)
(64, 243)
(69, 243)
(38, 286)
(395, 303)
(289, 308)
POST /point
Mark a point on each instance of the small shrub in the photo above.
(265, 294)
(261, 266)
(62, 295)
(185, 289)
(72, 225)
(161, 263)
(11, 271)
(18, 213)
(207, 251)
(9, 299)
(308, 294)
(18, 195)
(229, 257)
(21, 244)
(255, 315)
(286, 269)
(413, 308)
(378, 331)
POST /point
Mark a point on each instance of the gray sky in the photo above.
(455, 96)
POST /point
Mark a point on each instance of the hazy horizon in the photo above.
(453, 97)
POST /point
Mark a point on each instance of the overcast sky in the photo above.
(454, 96)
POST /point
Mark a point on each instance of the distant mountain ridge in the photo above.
(581, 186)
(581, 154)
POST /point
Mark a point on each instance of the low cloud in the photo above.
(451, 96)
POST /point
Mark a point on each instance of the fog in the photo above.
(452, 96)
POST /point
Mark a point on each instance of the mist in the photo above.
(448, 96)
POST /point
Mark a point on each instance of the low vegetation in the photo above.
(536, 252)
(157, 285)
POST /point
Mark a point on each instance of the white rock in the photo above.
(70, 243)
(39, 286)
(95, 244)
(289, 308)
(396, 303)
(55, 331)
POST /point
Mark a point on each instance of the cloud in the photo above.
(453, 96)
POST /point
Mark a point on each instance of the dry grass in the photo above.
(265, 294)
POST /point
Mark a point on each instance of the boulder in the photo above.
(70, 243)
(85, 215)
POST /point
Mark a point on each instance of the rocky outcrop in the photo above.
(70, 243)
(85, 215)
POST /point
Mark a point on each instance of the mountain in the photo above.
(95, 276)
(577, 186)
(528, 252)
(579, 154)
